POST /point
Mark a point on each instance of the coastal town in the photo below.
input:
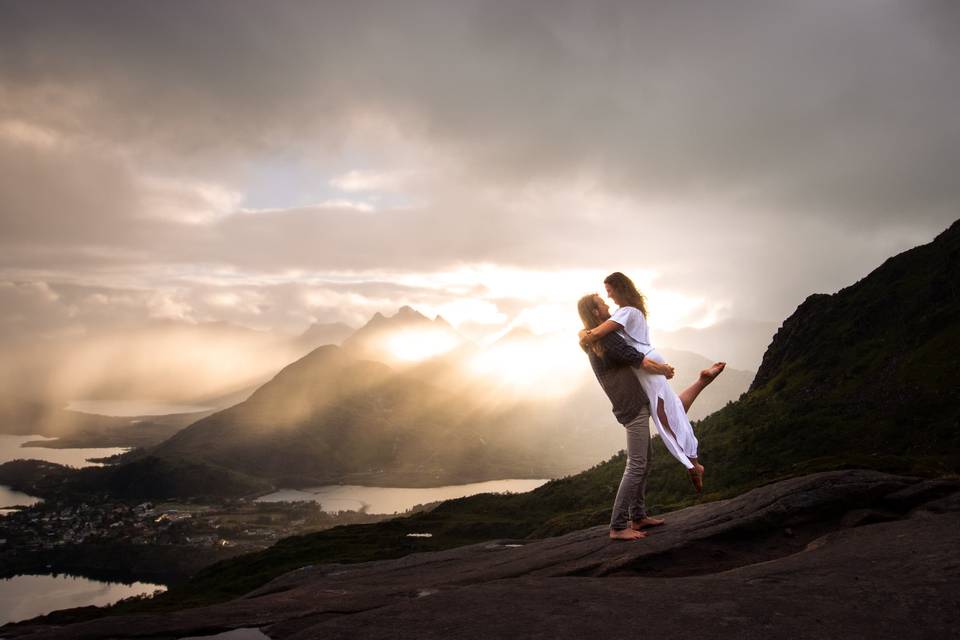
(242, 524)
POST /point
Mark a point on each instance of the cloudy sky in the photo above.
(273, 164)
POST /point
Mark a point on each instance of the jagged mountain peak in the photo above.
(408, 311)
(405, 315)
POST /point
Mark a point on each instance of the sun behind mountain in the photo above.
(404, 338)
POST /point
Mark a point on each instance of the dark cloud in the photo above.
(827, 108)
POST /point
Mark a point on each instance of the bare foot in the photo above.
(637, 525)
(711, 372)
(626, 534)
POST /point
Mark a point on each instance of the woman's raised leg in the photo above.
(688, 395)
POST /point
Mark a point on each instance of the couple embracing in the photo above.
(634, 376)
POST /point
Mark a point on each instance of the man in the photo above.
(631, 409)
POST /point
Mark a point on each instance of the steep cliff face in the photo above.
(890, 339)
(792, 340)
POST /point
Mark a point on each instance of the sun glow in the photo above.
(417, 345)
(478, 291)
(541, 365)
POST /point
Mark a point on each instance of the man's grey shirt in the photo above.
(617, 378)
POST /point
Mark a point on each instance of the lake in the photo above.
(131, 408)
(24, 597)
(10, 498)
(11, 448)
(387, 500)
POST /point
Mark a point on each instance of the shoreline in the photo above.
(167, 565)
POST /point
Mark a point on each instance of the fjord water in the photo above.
(11, 498)
(11, 448)
(387, 500)
(25, 597)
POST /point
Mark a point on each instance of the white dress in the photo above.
(682, 444)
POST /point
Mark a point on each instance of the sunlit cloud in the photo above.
(669, 310)
(349, 306)
(25, 133)
(549, 297)
(357, 180)
(345, 299)
(163, 304)
(226, 299)
(244, 301)
(334, 204)
(43, 289)
(459, 311)
(187, 202)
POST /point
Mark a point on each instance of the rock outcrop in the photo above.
(836, 554)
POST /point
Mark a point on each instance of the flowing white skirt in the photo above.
(682, 444)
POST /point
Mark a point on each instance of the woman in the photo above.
(670, 417)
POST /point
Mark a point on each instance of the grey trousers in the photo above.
(629, 504)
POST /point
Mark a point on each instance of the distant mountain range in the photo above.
(365, 413)
(330, 417)
(337, 415)
(404, 337)
(321, 333)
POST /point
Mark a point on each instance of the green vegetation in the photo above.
(146, 478)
